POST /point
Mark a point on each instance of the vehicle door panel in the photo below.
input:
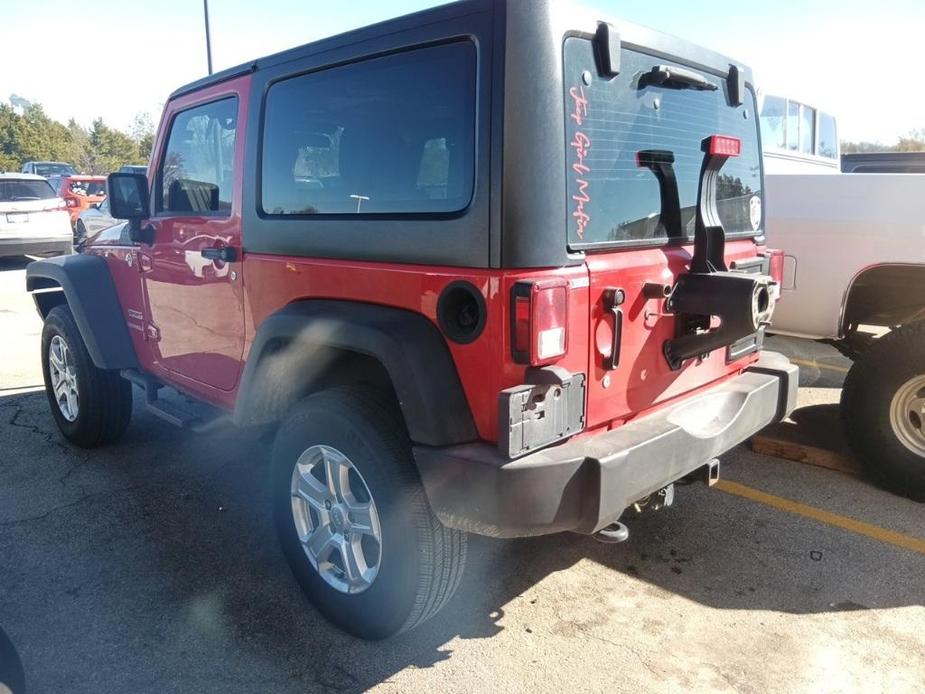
(195, 304)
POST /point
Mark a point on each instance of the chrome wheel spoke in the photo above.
(337, 471)
(55, 360)
(71, 400)
(311, 491)
(917, 407)
(351, 554)
(321, 542)
(361, 519)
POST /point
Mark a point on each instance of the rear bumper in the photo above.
(36, 246)
(584, 485)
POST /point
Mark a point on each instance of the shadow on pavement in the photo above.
(155, 560)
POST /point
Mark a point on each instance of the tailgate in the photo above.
(643, 377)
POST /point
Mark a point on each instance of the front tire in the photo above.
(883, 408)
(91, 406)
(353, 519)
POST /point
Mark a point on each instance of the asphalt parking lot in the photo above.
(152, 566)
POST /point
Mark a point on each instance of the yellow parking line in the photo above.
(817, 365)
(914, 544)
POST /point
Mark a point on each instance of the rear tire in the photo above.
(414, 567)
(80, 233)
(883, 408)
(91, 406)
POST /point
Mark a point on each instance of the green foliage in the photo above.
(33, 136)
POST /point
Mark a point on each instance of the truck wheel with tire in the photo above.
(883, 407)
(80, 233)
(91, 406)
(353, 519)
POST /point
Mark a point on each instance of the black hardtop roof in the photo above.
(656, 42)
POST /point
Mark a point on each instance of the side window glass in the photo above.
(196, 172)
(773, 113)
(389, 135)
(828, 138)
(793, 126)
(807, 129)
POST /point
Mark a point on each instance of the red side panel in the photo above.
(485, 366)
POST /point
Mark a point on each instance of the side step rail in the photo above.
(198, 418)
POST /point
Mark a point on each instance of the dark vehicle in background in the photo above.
(48, 169)
(95, 218)
(33, 220)
(497, 267)
(883, 162)
(79, 192)
(134, 168)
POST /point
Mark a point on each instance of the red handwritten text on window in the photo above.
(581, 145)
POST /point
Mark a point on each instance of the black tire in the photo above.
(421, 562)
(876, 377)
(80, 233)
(104, 397)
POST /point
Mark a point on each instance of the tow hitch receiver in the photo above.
(742, 302)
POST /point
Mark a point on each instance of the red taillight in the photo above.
(724, 146)
(776, 265)
(539, 321)
(72, 202)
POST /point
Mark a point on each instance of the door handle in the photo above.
(613, 299)
(227, 254)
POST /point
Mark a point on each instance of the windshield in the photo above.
(54, 169)
(18, 189)
(612, 200)
(87, 189)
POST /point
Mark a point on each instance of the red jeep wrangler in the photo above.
(495, 267)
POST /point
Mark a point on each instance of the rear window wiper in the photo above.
(677, 77)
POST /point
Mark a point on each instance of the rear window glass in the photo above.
(54, 169)
(608, 121)
(87, 189)
(391, 135)
(13, 190)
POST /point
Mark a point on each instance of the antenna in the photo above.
(205, 9)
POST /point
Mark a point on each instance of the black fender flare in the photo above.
(91, 295)
(408, 345)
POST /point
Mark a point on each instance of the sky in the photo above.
(859, 60)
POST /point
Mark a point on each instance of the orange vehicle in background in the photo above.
(79, 192)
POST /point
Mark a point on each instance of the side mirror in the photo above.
(128, 199)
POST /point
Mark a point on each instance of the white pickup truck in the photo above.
(855, 256)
